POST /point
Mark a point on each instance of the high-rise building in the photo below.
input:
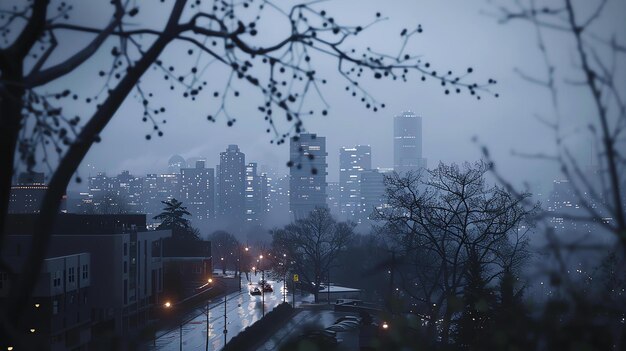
(256, 194)
(352, 162)
(307, 175)
(157, 188)
(333, 199)
(407, 143)
(278, 196)
(372, 189)
(232, 173)
(28, 193)
(197, 188)
(115, 195)
(129, 189)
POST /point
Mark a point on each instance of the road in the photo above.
(242, 310)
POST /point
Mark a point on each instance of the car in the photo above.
(255, 291)
(348, 318)
(352, 302)
(267, 288)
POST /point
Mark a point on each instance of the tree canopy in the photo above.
(312, 245)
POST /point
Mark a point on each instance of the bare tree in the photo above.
(36, 123)
(595, 74)
(313, 244)
(434, 222)
(597, 62)
(225, 250)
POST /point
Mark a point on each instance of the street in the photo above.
(242, 310)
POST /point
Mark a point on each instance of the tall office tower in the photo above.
(150, 193)
(278, 196)
(372, 188)
(333, 199)
(129, 189)
(352, 162)
(157, 188)
(232, 184)
(407, 143)
(27, 194)
(307, 176)
(197, 188)
(115, 195)
(256, 193)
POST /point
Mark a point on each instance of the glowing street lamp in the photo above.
(167, 304)
(385, 325)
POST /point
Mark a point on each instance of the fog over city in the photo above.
(457, 35)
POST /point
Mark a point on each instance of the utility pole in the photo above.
(180, 337)
(294, 294)
(208, 311)
(328, 286)
(225, 330)
(263, 291)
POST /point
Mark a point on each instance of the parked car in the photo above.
(255, 291)
(267, 288)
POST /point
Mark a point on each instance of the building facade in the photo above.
(27, 194)
(307, 175)
(232, 172)
(352, 162)
(407, 142)
(255, 194)
(197, 190)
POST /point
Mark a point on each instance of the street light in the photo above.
(167, 304)
(285, 278)
(208, 326)
(225, 329)
(262, 285)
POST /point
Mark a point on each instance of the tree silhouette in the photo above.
(312, 244)
(173, 215)
(598, 55)
(37, 124)
(436, 221)
(597, 51)
(226, 249)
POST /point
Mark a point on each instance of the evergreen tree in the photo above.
(478, 298)
(173, 218)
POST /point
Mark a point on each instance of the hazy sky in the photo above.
(457, 34)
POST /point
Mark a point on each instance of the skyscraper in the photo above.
(232, 183)
(256, 194)
(27, 194)
(197, 189)
(407, 142)
(372, 188)
(307, 175)
(352, 162)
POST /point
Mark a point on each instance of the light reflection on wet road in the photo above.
(242, 311)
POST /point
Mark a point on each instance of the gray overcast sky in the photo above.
(457, 34)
